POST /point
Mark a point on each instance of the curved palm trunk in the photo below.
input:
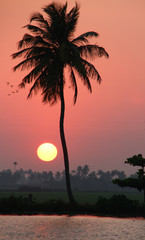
(65, 152)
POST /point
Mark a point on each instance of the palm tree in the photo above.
(48, 50)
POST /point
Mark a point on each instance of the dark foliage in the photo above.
(117, 205)
(136, 160)
(139, 181)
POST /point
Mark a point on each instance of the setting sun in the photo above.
(47, 152)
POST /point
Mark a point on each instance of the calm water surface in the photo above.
(70, 228)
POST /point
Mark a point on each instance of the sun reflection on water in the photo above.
(70, 228)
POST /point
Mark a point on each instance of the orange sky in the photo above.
(103, 128)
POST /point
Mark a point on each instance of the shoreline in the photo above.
(74, 214)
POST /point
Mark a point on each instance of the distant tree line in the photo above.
(82, 179)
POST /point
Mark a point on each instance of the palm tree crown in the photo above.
(51, 47)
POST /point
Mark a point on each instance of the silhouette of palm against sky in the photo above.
(49, 49)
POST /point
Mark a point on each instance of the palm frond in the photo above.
(39, 83)
(72, 19)
(42, 22)
(36, 71)
(63, 10)
(27, 63)
(51, 95)
(36, 52)
(82, 72)
(51, 83)
(43, 82)
(83, 38)
(74, 84)
(21, 53)
(35, 29)
(55, 11)
(92, 71)
(39, 52)
(56, 18)
(52, 11)
(92, 51)
(37, 17)
(26, 41)
(34, 88)
(30, 40)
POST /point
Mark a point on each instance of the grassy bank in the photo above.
(81, 197)
(118, 205)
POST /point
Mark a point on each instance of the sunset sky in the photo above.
(104, 128)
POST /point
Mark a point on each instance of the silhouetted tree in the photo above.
(100, 174)
(85, 170)
(79, 171)
(49, 50)
(15, 164)
(17, 176)
(73, 172)
(139, 182)
(57, 176)
(118, 174)
(47, 180)
(92, 175)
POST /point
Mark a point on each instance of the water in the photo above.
(70, 228)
